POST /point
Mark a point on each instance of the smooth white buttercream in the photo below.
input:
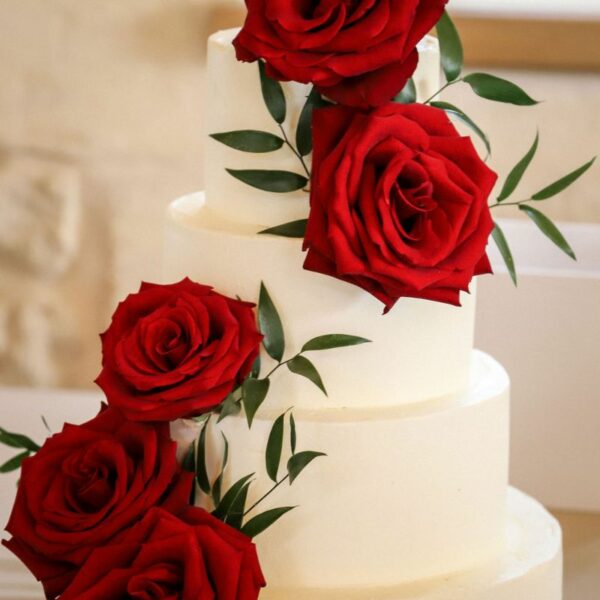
(404, 493)
(421, 350)
(530, 568)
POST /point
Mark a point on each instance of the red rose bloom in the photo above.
(176, 351)
(85, 486)
(192, 557)
(398, 203)
(357, 52)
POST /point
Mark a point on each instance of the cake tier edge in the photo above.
(530, 568)
(404, 493)
(421, 350)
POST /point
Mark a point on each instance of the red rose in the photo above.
(356, 52)
(176, 351)
(86, 485)
(398, 203)
(193, 557)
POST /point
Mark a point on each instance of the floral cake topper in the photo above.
(400, 202)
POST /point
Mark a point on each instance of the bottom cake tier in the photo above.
(405, 493)
(529, 569)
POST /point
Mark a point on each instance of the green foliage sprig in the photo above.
(496, 89)
(230, 506)
(249, 140)
(544, 224)
(254, 390)
(25, 444)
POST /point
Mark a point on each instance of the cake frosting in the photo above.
(412, 501)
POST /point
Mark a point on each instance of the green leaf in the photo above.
(229, 407)
(17, 440)
(515, 176)
(258, 524)
(46, 424)
(558, 186)
(293, 229)
(249, 140)
(298, 462)
(500, 239)
(548, 228)
(302, 366)
(494, 88)
(230, 496)
(272, 94)
(333, 340)
(15, 462)
(235, 515)
(189, 460)
(254, 393)
(218, 483)
(408, 95)
(201, 473)
(293, 436)
(304, 130)
(451, 49)
(256, 368)
(278, 182)
(270, 325)
(274, 448)
(459, 114)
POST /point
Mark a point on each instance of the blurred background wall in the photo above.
(101, 124)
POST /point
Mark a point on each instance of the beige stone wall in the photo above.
(101, 124)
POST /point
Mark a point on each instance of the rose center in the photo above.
(170, 342)
(411, 202)
(89, 482)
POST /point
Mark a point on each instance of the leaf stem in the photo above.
(284, 362)
(445, 86)
(293, 149)
(510, 203)
(267, 494)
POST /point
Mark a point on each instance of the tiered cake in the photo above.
(412, 501)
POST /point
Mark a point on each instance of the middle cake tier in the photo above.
(420, 350)
(405, 493)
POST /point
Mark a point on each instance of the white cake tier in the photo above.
(530, 568)
(234, 102)
(404, 493)
(420, 350)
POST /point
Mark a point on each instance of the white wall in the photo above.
(533, 8)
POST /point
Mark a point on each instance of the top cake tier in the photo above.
(234, 102)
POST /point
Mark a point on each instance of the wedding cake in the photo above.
(412, 500)
(344, 220)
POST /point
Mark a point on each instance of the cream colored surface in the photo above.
(419, 351)
(529, 569)
(234, 102)
(405, 493)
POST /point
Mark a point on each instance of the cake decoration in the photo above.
(359, 53)
(398, 203)
(381, 267)
(105, 509)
